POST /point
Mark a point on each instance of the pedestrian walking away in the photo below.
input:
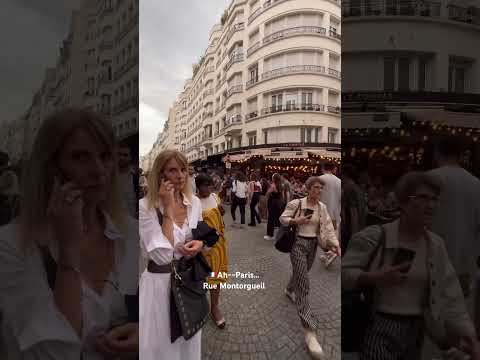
(254, 191)
(239, 197)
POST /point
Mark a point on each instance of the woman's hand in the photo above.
(472, 347)
(191, 248)
(302, 220)
(337, 250)
(166, 193)
(65, 209)
(120, 340)
(388, 276)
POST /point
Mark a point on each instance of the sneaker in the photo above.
(313, 346)
(268, 238)
(290, 295)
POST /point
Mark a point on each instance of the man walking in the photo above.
(457, 219)
(331, 196)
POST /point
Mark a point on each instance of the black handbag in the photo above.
(287, 237)
(357, 306)
(189, 306)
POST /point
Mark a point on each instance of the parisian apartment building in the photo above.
(270, 77)
(96, 68)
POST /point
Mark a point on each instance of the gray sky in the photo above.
(31, 34)
(173, 36)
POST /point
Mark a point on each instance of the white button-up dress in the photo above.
(33, 328)
(155, 341)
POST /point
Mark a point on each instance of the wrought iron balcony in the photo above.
(293, 69)
(294, 31)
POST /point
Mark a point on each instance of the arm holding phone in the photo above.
(65, 209)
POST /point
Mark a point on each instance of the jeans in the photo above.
(240, 202)
(254, 215)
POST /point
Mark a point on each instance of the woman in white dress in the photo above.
(170, 192)
(70, 218)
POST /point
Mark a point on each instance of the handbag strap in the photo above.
(160, 221)
(380, 246)
(299, 208)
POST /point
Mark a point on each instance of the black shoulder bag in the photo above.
(287, 238)
(189, 307)
(357, 306)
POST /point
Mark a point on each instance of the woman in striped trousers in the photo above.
(314, 225)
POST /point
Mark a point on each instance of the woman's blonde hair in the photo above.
(41, 169)
(157, 170)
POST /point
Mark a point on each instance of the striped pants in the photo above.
(388, 338)
(302, 257)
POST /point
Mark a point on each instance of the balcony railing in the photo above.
(125, 67)
(391, 8)
(209, 69)
(294, 31)
(234, 89)
(251, 82)
(106, 45)
(254, 15)
(128, 27)
(251, 115)
(125, 105)
(235, 119)
(286, 108)
(334, 35)
(254, 48)
(237, 57)
(207, 92)
(293, 69)
(469, 15)
(233, 30)
(334, 72)
(333, 109)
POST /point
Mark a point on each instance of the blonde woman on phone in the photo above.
(68, 265)
(170, 193)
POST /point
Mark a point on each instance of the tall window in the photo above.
(389, 74)
(422, 74)
(265, 137)
(277, 101)
(332, 135)
(456, 77)
(404, 74)
(254, 74)
(318, 133)
(252, 140)
(290, 101)
(307, 100)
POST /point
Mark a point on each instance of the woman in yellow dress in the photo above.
(212, 212)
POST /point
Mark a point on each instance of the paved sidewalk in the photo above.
(263, 324)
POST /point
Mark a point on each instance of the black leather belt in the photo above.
(399, 317)
(307, 237)
(153, 267)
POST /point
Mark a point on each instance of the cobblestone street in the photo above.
(263, 324)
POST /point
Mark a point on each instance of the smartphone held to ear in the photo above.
(404, 256)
